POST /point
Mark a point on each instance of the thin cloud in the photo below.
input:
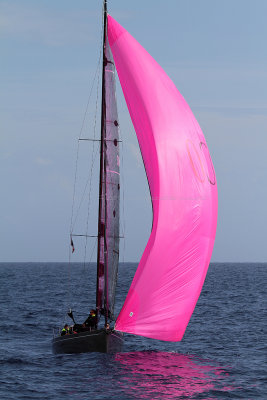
(40, 25)
(43, 161)
(122, 15)
(233, 109)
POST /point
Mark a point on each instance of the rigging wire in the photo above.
(76, 164)
(78, 146)
(91, 256)
(84, 193)
(91, 173)
(97, 74)
(93, 156)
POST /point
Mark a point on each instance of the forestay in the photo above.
(183, 190)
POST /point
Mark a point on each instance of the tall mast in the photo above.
(102, 190)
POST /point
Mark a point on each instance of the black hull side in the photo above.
(95, 341)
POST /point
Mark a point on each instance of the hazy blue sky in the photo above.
(216, 54)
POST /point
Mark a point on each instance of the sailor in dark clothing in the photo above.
(107, 327)
(77, 328)
(91, 321)
(65, 330)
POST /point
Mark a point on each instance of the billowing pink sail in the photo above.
(183, 190)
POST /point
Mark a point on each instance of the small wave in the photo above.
(15, 360)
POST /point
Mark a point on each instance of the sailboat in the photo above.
(183, 190)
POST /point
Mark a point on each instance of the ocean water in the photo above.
(222, 355)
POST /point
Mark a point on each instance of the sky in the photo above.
(216, 54)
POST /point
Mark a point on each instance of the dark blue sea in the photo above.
(222, 355)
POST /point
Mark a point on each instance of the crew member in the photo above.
(107, 326)
(65, 330)
(91, 321)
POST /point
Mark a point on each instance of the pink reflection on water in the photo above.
(162, 375)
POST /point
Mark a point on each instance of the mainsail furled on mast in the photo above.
(108, 241)
(183, 190)
(112, 179)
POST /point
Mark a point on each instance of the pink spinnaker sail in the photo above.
(183, 190)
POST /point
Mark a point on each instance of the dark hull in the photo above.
(95, 341)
